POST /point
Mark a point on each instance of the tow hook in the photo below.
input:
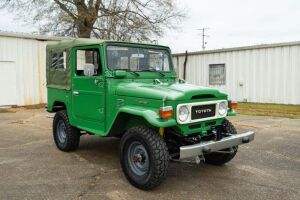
(217, 133)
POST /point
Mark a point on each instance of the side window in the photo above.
(58, 61)
(217, 74)
(88, 62)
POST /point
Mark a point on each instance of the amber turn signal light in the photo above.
(166, 112)
(233, 105)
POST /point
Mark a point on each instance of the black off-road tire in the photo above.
(72, 134)
(222, 158)
(157, 153)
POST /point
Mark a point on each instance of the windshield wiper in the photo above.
(135, 73)
(153, 70)
(161, 73)
(128, 70)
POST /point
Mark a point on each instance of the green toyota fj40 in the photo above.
(131, 91)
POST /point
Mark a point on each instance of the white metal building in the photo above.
(262, 73)
(22, 68)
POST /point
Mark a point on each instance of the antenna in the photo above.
(203, 37)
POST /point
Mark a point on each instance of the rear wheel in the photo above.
(66, 137)
(144, 157)
(225, 155)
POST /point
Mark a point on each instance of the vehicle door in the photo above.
(87, 85)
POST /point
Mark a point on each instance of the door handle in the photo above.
(97, 82)
(75, 92)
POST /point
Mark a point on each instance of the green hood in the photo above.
(175, 91)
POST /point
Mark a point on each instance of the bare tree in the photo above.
(137, 20)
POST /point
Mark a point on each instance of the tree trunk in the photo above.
(84, 32)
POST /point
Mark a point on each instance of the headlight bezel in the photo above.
(222, 106)
(187, 113)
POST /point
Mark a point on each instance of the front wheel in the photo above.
(144, 157)
(226, 155)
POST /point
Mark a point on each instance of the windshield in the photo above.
(138, 59)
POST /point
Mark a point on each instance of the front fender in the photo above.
(231, 112)
(151, 116)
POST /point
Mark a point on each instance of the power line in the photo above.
(203, 37)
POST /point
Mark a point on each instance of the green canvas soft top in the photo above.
(60, 78)
(67, 44)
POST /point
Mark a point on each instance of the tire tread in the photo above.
(159, 151)
(73, 134)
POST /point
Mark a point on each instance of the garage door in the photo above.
(8, 83)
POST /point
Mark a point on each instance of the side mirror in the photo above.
(89, 69)
(181, 81)
(120, 73)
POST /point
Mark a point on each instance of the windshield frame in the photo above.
(142, 46)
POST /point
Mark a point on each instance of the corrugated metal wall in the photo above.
(26, 58)
(264, 75)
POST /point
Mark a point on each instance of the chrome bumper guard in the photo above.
(211, 146)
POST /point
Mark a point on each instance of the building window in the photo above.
(58, 61)
(217, 74)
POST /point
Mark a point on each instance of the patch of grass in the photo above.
(273, 110)
(36, 106)
(15, 109)
(7, 110)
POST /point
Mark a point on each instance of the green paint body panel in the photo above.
(231, 112)
(121, 100)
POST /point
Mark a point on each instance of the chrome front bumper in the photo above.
(211, 146)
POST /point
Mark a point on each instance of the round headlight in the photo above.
(183, 113)
(222, 108)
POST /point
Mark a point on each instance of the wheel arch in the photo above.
(119, 127)
(57, 106)
(134, 116)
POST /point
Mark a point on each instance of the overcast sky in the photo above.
(231, 23)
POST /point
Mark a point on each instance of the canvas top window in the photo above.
(138, 59)
(58, 61)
